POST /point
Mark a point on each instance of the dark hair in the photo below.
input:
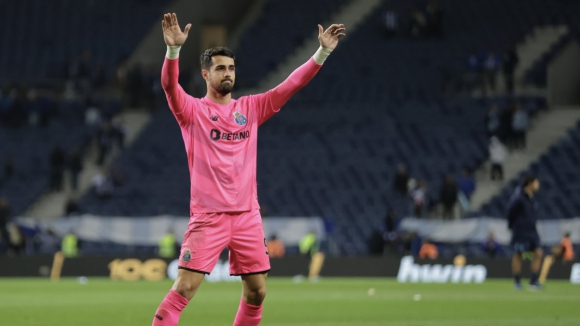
(528, 179)
(205, 59)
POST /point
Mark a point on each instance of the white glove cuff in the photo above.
(173, 51)
(321, 55)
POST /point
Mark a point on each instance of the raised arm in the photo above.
(275, 98)
(176, 96)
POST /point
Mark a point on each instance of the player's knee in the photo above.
(255, 296)
(186, 288)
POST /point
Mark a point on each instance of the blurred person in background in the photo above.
(565, 250)
(5, 215)
(428, 250)
(309, 244)
(419, 196)
(491, 65)
(17, 240)
(9, 168)
(71, 207)
(492, 121)
(520, 126)
(102, 185)
(498, 154)
(466, 183)
(376, 243)
(225, 191)
(105, 138)
(391, 227)
(434, 18)
(490, 246)
(448, 197)
(70, 245)
(46, 242)
(521, 216)
(167, 246)
(401, 181)
(275, 247)
(75, 166)
(510, 62)
(57, 167)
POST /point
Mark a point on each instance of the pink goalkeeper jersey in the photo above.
(221, 139)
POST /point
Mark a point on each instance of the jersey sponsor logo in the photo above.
(186, 256)
(240, 118)
(215, 134)
(457, 273)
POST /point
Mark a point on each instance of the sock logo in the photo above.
(158, 317)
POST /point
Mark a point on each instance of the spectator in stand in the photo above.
(275, 247)
(57, 166)
(119, 131)
(9, 168)
(434, 18)
(92, 113)
(492, 121)
(391, 21)
(105, 138)
(490, 66)
(401, 181)
(520, 127)
(418, 23)
(71, 207)
(102, 185)
(498, 154)
(117, 176)
(5, 214)
(75, 166)
(391, 235)
(510, 63)
(419, 198)
(565, 250)
(490, 246)
(376, 243)
(506, 124)
(428, 250)
(448, 197)
(46, 242)
(466, 184)
(17, 240)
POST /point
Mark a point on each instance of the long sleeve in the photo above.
(271, 101)
(176, 96)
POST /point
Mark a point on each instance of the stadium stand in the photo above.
(30, 147)
(109, 29)
(560, 196)
(262, 48)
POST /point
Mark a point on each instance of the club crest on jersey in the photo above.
(240, 118)
(186, 256)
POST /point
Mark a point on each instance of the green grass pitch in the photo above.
(336, 302)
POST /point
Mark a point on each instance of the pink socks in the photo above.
(170, 309)
(248, 315)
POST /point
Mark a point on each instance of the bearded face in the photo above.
(222, 74)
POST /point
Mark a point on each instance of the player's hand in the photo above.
(172, 34)
(329, 38)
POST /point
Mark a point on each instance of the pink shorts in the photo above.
(209, 233)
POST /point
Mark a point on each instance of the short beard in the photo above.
(224, 88)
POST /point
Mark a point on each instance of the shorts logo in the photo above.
(186, 256)
(240, 118)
